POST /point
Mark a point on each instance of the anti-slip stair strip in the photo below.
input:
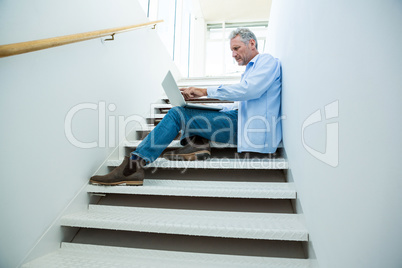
(272, 226)
(216, 163)
(203, 189)
(93, 256)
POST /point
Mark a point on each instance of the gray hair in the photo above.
(245, 36)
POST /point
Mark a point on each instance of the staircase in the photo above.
(234, 210)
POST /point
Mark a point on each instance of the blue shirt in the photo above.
(259, 96)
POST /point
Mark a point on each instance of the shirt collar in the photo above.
(251, 62)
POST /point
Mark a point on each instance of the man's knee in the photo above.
(176, 115)
(176, 109)
(177, 112)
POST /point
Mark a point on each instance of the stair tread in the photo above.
(156, 116)
(161, 105)
(94, 256)
(216, 163)
(147, 127)
(203, 189)
(176, 144)
(249, 225)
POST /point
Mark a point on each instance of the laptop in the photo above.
(177, 99)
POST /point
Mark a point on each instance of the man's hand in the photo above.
(193, 92)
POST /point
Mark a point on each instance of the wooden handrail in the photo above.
(24, 47)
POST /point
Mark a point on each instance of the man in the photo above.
(254, 125)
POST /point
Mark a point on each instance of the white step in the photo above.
(224, 189)
(161, 105)
(147, 127)
(157, 116)
(216, 163)
(176, 144)
(72, 255)
(272, 226)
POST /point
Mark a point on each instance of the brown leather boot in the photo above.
(130, 172)
(196, 149)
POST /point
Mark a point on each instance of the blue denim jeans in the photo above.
(212, 125)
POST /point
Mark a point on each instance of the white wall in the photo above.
(41, 171)
(350, 52)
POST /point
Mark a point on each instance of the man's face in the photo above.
(241, 52)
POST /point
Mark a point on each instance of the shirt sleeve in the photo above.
(256, 81)
(229, 106)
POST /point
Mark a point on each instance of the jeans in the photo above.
(212, 125)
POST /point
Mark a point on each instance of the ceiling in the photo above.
(235, 10)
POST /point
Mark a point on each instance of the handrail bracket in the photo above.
(111, 39)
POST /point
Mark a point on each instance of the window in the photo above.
(198, 48)
(219, 59)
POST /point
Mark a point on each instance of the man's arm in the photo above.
(256, 82)
(193, 92)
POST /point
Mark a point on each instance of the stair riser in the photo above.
(228, 175)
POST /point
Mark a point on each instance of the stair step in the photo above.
(216, 163)
(148, 127)
(161, 105)
(156, 116)
(203, 189)
(94, 256)
(269, 226)
(176, 144)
